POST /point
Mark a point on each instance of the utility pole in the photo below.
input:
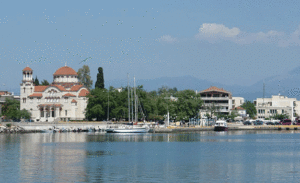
(108, 106)
(264, 94)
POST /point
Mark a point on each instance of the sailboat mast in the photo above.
(135, 113)
(128, 98)
(131, 104)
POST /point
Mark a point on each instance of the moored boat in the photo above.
(128, 129)
(221, 125)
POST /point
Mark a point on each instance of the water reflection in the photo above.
(234, 156)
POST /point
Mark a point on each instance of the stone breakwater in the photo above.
(42, 127)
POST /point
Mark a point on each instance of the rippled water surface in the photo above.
(244, 156)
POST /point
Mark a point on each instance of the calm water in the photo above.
(245, 156)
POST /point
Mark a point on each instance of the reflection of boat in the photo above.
(128, 129)
(220, 125)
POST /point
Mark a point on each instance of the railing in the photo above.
(215, 98)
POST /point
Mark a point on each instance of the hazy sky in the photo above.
(232, 42)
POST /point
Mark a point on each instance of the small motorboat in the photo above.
(221, 125)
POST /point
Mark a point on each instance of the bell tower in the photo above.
(26, 87)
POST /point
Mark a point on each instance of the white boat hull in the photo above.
(133, 130)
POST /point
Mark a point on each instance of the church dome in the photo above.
(65, 71)
(27, 69)
(65, 75)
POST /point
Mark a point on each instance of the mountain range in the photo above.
(286, 84)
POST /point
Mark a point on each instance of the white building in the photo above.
(65, 99)
(278, 104)
(219, 98)
(237, 101)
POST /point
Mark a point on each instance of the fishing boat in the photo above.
(221, 125)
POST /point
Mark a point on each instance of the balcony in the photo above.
(215, 98)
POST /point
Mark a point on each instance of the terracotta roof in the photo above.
(76, 87)
(61, 88)
(238, 108)
(27, 69)
(40, 88)
(213, 88)
(65, 71)
(5, 93)
(83, 93)
(74, 101)
(69, 95)
(36, 95)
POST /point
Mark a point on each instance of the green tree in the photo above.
(280, 116)
(97, 104)
(45, 83)
(11, 110)
(100, 79)
(187, 105)
(36, 81)
(84, 76)
(250, 109)
(233, 114)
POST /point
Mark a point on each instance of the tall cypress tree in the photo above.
(100, 79)
(36, 81)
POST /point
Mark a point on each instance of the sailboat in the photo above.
(129, 128)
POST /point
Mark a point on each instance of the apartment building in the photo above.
(277, 104)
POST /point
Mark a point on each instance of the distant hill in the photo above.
(286, 84)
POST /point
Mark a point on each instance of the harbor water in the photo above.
(234, 156)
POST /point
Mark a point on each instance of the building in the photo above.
(277, 104)
(241, 113)
(65, 99)
(237, 101)
(219, 99)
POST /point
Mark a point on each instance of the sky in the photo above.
(230, 42)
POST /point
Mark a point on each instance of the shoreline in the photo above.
(98, 126)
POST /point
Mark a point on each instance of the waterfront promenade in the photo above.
(31, 127)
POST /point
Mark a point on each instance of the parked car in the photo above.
(296, 122)
(269, 123)
(258, 122)
(247, 123)
(286, 122)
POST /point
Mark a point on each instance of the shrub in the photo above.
(8, 125)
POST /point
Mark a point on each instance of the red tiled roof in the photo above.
(76, 87)
(36, 95)
(213, 88)
(61, 88)
(83, 93)
(40, 88)
(74, 101)
(5, 93)
(65, 71)
(238, 108)
(43, 88)
(69, 95)
(27, 69)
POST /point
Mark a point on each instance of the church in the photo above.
(63, 100)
